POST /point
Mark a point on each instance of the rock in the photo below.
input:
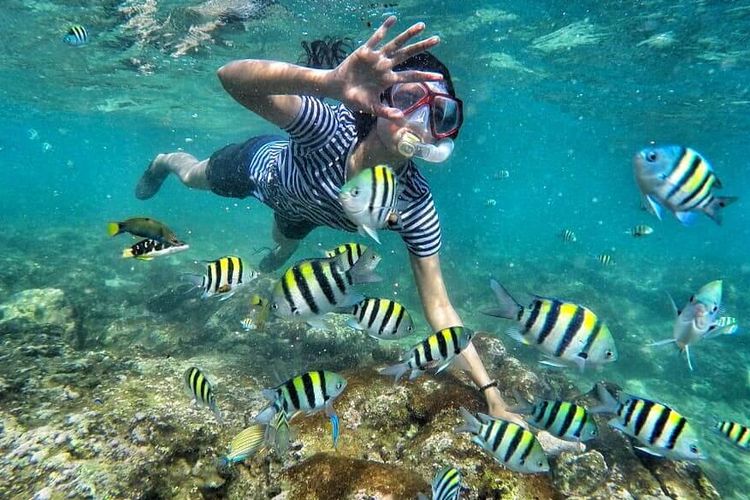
(45, 308)
(578, 475)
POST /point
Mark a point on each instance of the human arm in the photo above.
(440, 314)
(271, 89)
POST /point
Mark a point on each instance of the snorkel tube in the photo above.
(412, 146)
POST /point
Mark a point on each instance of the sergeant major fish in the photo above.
(681, 180)
(312, 288)
(76, 36)
(439, 349)
(446, 485)
(199, 388)
(382, 319)
(353, 252)
(369, 199)
(737, 434)
(562, 419)
(661, 431)
(509, 443)
(699, 319)
(145, 227)
(223, 277)
(148, 249)
(563, 331)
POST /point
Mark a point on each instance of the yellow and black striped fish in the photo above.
(562, 419)
(197, 385)
(568, 236)
(369, 199)
(223, 277)
(382, 319)
(640, 230)
(661, 430)
(353, 252)
(605, 259)
(563, 331)
(510, 444)
(310, 392)
(738, 434)
(439, 349)
(245, 444)
(446, 485)
(679, 179)
(312, 288)
(76, 36)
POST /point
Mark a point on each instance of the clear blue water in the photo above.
(78, 125)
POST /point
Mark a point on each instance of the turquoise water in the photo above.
(562, 115)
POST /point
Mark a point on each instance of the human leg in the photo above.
(190, 170)
(287, 234)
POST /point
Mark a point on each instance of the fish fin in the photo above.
(363, 270)
(687, 356)
(470, 423)
(608, 402)
(647, 450)
(713, 209)
(676, 309)
(113, 229)
(335, 429)
(523, 406)
(319, 323)
(142, 257)
(484, 418)
(397, 371)
(552, 363)
(352, 323)
(616, 424)
(653, 207)
(366, 231)
(443, 366)
(580, 363)
(661, 342)
(415, 373)
(269, 394)
(507, 308)
(514, 332)
(266, 415)
(688, 218)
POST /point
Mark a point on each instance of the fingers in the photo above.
(416, 76)
(414, 49)
(380, 33)
(391, 47)
(384, 111)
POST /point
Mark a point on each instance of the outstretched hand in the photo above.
(368, 71)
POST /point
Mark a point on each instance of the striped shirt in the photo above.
(301, 178)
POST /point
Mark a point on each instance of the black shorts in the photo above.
(294, 230)
(228, 169)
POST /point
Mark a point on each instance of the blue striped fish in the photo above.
(679, 179)
(369, 199)
(566, 333)
(439, 349)
(510, 444)
(244, 445)
(660, 430)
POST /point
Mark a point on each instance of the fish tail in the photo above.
(265, 416)
(508, 308)
(470, 423)
(194, 279)
(397, 370)
(114, 228)
(608, 402)
(713, 209)
(523, 407)
(127, 253)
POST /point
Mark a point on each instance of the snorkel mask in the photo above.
(432, 113)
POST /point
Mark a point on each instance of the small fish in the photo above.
(145, 227)
(568, 235)
(501, 174)
(148, 249)
(738, 434)
(382, 319)
(353, 252)
(697, 320)
(446, 485)
(76, 36)
(310, 392)
(312, 288)
(260, 309)
(605, 259)
(439, 349)
(509, 443)
(727, 325)
(662, 431)
(248, 324)
(562, 419)
(369, 199)
(279, 433)
(563, 331)
(640, 230)
(679, 179)
(245, 445)
(223, 277)
(199, 388)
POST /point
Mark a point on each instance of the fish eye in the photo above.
(609, 354)
(651, 156)
(540, 464)
(693, 449)
(355, 192)
(338, 385)
(274, 306)
(692, 299)
(716, 308)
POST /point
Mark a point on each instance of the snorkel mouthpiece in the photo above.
(411, 146)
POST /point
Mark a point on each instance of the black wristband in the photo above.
(492, 383)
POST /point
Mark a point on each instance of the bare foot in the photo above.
(499, 409)
(151, 180)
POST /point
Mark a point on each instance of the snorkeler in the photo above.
(398, 103)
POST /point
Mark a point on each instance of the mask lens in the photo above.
(406, 96)
(445, 115)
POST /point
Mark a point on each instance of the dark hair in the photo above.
(424, 61)
(326, 53)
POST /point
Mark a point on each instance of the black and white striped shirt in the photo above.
(301, 178)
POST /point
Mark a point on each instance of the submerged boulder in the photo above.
(39, 309)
